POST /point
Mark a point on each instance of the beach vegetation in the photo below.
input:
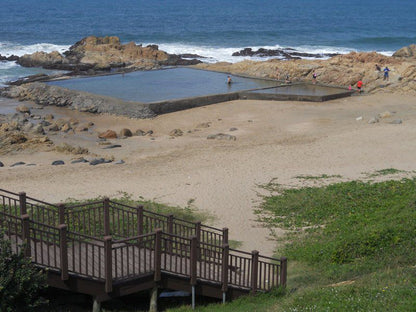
(21, 283)
(351, 246)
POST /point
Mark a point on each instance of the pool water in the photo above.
(162, 85)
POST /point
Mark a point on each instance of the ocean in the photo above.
(213, 29)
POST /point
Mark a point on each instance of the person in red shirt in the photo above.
(359, 85)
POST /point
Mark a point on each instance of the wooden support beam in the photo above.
(63, 251)
(108, 264)
(254, 270)
(22, 203)
(283, 271)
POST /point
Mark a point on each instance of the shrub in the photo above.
(20, 281)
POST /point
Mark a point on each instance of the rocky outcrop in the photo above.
(93, 54)
(409, 51)
(43, 94)
(342, 70)
(284, 54)
(42, 59)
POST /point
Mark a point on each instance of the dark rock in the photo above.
(58, 162)
(281, 53)
(19, 163)
(1, 164)
(233, 129)
(119, 162)
(11, 58)
(97, 161)
(112, 146)
(221, 136)
(80, 160)
(126, 133)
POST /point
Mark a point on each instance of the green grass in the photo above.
(320, 177)
(351, 246)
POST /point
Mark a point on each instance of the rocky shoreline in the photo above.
(96, 56)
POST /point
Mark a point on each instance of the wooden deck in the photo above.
(106, 250)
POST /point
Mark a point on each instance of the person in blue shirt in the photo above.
(386, 73)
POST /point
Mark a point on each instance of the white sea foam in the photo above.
(214, 54)
(9, 48)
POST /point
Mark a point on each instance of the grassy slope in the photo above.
(351, 247)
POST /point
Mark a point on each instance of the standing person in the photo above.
(229, 81)
(359, 85)
(386, 73)
(378, 68)
(314, 75)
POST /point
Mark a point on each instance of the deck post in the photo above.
(26, 235)
(169, 243)
(254, 270)
(225, 235)
(96, 306)
(158, 255)
(22, 203)
(153, 299)
(108, 264)
(106, 206)
(225, 269)
(63, 251)
(61, 212)
(198, 230)
(140, 220)
(283, 271)
(193, 260)
(198, 237)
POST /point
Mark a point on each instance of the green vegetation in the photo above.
(321, 177)
(351, 246)
(384, 172)
(20, 282)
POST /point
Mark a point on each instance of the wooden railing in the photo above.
(113, 242)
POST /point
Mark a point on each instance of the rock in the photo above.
(396, 122)
(38, 129)
(49, 117)
(119, 162)
(109, 134)
(58, 162)
(36, 117)
(385, 114)
(54, 127)
(66, 127)
(45, 123)
(373, 120)
(28, 126)
(204, 125)
(126, 133)
(1, 164)
(19, 163)
(97, 161)
(79, 160)
(221, 136)
(176, 132)
(359, 118)
(112, 146)
(409, 51)
(41, 59)
(140, 132)
(150, 132)
(17, 138)
(233, 129)
(23, 109)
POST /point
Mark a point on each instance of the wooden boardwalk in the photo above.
(106, 249)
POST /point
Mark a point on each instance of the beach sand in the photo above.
(276, 141)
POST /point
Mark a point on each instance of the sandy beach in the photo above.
(279, 141)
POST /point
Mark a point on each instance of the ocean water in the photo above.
(214, 29)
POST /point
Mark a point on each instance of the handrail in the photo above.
(196, 254)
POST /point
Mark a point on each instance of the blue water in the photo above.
(211, 28)
(160, 85)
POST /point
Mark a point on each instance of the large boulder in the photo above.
(409, 51)
(41, 59)
(105, 52)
